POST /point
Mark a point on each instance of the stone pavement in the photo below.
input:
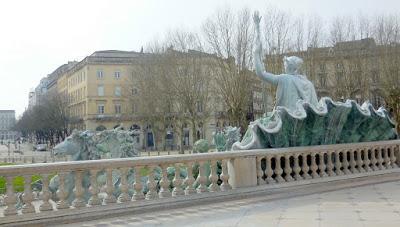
(27, 153)
(372, 205)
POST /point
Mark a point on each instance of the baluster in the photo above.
(314, 166)
(346, 162)
(137, 185)
(305, 167)
(269, 171)
(151, 185)
(296, 168)
(94, 199)
(338, 164)
(201, 179)
(393, 158)
(10, 199)
(78, 201)
(177, 182)
(278, 169)
(260, 172)
(213, 177)
(225, 186)
(373, 159)
(110, 198)
(189, 181)
(352, 162)
(380, 159)
(322, 166)
(386, 157)
(359, 161)
(46, 205)
(288, 169)
(330, 165)
(164, 183)
(366, 160)
(28, 196)
(124, 196)
(61, 193)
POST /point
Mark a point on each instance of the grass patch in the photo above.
(18, 181)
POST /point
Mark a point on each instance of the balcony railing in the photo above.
(228, 172)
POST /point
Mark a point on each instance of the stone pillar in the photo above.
(242, 172)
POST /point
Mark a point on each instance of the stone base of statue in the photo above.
(328, 123)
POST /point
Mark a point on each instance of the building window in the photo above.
(200, 107)
(117, 74)
(322, 79)
(322, 67)
(100, 90)
(100, 108)
(375, 76)
(100, 74)
(117, 90)
(134, 91)
(134, 108)
(339, 66)
(117, 108)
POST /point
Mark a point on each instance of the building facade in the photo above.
(101, 93)
(7, 122)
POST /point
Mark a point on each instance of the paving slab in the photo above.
(371, 205)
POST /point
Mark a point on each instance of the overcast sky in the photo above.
(38, 36)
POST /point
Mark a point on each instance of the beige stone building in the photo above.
(93, 88)
(102, 92)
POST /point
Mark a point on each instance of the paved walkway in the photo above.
(28, 153)
(373, 205)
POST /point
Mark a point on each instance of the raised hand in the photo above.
(257, 18)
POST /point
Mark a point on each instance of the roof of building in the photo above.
(115, 54)
(356, 44)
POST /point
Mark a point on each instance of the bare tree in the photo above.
(389, 80)
(315, 31)
(150, 93)
(48, 122)
(229, 36)
(298, 43)
(191, 76)
(277, 31)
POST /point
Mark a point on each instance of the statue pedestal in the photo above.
(242, 172)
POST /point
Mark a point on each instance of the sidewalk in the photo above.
(27, 152)
(371, 205)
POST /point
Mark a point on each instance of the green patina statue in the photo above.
(225, 138)
(299, 119)
(200, 146)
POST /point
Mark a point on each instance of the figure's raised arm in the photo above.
(259, 65)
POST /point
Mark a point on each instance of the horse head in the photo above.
(72, 145)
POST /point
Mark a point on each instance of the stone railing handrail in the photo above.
(172, 159)
(216, 172)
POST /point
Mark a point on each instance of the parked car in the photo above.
(41, 147)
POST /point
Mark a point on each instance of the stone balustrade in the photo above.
(228, 172)
(297, 164)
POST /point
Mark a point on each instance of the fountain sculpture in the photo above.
(299, 119)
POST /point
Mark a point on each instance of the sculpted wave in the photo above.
(329, 123)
